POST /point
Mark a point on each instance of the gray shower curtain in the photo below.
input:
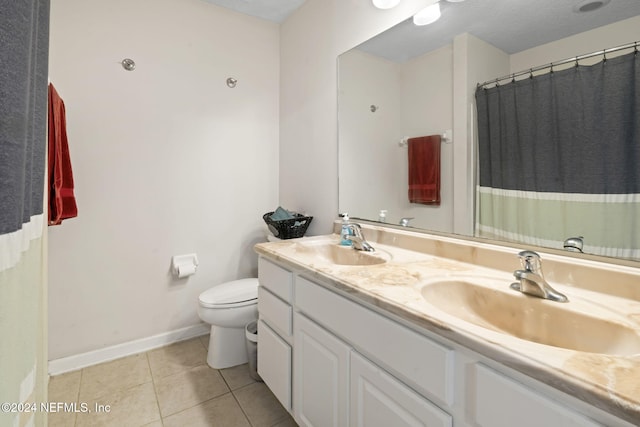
(559, 156)
(24, 47)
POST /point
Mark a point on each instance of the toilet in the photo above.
(228, 308)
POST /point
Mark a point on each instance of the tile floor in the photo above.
(169, 386)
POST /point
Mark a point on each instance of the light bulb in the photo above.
(427, 15)
(385, 4)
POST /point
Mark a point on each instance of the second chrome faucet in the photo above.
(531, 280)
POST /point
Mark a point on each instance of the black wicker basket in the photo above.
(288, 228)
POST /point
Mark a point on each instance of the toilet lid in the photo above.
(236, 293)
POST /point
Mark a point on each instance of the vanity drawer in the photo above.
(415, 359)
(499, 401)
(275, 312)
(275, 278)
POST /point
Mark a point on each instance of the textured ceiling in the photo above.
(271, 10)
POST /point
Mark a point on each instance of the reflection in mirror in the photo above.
(373, 156)
(411, 75)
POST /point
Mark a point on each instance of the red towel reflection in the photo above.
(424, 170)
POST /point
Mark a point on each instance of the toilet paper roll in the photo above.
(185, 270)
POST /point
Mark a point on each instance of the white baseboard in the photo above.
(78, 361)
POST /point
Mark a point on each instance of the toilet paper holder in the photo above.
(184, 265)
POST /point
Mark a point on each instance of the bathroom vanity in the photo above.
(426, 331)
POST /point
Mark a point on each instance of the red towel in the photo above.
(424, 170)
(62, 202)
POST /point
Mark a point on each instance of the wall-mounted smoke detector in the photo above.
(589, 5)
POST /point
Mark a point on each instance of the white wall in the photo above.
(167, 160)
(369, 155)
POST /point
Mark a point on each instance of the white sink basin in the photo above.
(491, 304)
(329, 252)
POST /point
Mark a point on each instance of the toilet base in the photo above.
(226, 347)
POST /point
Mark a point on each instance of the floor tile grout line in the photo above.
(193, 406)
(240, 405)
(196, 404)
(75, 416)
(153, 384)
(153, 379)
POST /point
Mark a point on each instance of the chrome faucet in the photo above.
(531, 281)
(359, 242)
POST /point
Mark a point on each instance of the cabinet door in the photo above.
(321, 376)
(274, 363)
(378, 399)
(502, 402)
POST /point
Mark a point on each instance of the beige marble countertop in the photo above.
(610, 382)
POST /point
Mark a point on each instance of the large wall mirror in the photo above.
(414, 81)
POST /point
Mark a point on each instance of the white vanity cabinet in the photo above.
(275, 329)
(333, 361)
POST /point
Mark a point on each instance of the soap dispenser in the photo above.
(345, 232)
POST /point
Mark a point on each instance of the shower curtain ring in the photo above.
(635, 48)
(604, 56)
(530, 73)
(577, 65)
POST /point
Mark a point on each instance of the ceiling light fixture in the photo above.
(428, 15)
(385, 4)
(590, 5)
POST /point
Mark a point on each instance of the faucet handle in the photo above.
(356, 229)
(530, 261)
(405, 221)
(574, 244)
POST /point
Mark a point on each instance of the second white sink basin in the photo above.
(329, 252)
(490, 304)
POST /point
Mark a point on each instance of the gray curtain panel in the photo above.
(570, 131)
(24, 45)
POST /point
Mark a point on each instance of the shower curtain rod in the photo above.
(564, 61)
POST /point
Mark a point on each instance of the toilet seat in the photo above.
(237, 293)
